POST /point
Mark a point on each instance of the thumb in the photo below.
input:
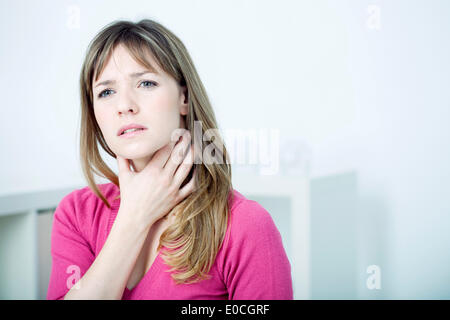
(123, 165)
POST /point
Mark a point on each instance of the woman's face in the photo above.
(155, 101)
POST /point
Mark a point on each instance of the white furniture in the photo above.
(25, 225)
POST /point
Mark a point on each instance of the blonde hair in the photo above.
(201, 220)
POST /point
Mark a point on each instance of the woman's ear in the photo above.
(184, 101)
(182, 122)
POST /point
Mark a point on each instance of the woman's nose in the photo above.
(126, 104)
(125, 110)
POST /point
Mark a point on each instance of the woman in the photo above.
(170, 225)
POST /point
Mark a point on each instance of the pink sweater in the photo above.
(252, 263)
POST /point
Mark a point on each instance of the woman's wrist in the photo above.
(131, 222)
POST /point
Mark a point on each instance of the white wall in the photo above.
(372, 101)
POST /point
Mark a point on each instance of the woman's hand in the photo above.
(148, 195)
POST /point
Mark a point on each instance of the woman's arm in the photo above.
(108, 275)
(146, 197)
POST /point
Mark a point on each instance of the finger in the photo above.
(178, 155)
(184, 168)
(160, 157)
(188, 188)
(123, 164)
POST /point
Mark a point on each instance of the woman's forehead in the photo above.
(121, 59)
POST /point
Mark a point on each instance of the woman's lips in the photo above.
(132, 134)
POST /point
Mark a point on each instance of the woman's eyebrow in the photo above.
(131, 75)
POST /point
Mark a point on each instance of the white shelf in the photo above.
(23, 272)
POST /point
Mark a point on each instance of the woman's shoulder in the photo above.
(249, 220)
(245, 210)
(85, 196)
(253, 263)
(251, 232)
(81, 206)
(82, 212)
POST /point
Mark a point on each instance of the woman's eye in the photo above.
(149, 82)
(101, 94)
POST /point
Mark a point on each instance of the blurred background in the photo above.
(349, 102)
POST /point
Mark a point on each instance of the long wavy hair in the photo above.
(201, 218)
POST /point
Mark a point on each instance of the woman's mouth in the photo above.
(132, 133)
